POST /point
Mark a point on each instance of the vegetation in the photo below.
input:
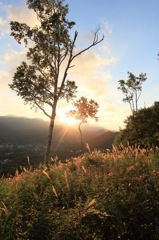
(132, 89)
(96, 196)
(141, 129)
(84, 110)
(100, 195)
(43, 81)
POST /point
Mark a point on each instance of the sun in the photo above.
(62, 117)
(68, 120)
(71, 121)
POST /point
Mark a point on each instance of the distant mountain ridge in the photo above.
(21, 138)
(20, 130)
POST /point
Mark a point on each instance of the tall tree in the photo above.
(84, 109)
(132, 89)
(42, 80)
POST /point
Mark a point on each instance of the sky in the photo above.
(131, 43)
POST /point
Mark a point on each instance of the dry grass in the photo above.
(100, 189)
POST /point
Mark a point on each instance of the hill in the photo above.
(22, 137)
(18, 130)
(111, 195)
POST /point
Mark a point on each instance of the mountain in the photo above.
(103, 140)
(22, 137)
(19, 130)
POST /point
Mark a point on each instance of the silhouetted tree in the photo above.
(84, 110)
(132, 89)
(42, 81)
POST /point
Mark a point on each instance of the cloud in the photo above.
(16, 13)
(90, 73)
(3, 81)
(89, 63)
(21, 14)
(1, 21)
(111, 116)
(2, 26)
(12, 59)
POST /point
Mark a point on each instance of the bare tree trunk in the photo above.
(79, 128)
(51, 128)
(136, 101)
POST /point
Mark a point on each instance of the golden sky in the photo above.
(97, 71)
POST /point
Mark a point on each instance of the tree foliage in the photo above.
(42, 81)
(142, 128)
(132, 89)
(84, 110)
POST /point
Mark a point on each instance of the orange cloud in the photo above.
(88, 64)
(21, 14)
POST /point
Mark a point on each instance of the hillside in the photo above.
(17, 130)
(22, 137)
(111, 195)
(22, 130)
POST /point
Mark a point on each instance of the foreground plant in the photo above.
(101, 195)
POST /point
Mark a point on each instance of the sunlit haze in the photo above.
(63, 118)
(131, 44)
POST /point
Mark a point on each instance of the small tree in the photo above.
(43, 81)
(84, 110)
(132, 89)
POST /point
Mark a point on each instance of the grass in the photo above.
(99, 195)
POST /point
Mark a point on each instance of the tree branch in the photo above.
(68, 64)
(95, 42)
(42, 109)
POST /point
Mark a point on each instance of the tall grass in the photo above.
(99, 195)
